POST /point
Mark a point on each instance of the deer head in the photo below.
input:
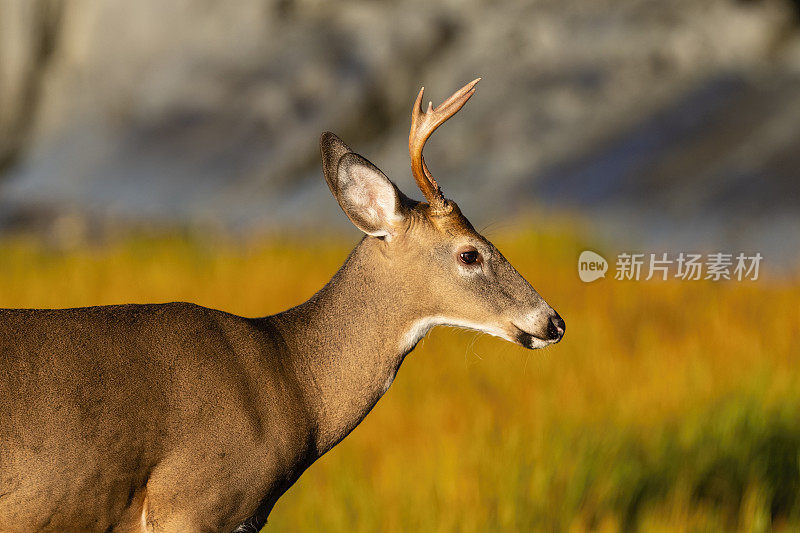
(454, 275)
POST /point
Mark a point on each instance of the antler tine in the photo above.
(423, 124)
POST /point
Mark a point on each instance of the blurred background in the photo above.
(678, 120)
(155, 151)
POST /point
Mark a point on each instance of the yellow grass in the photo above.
(668, 406)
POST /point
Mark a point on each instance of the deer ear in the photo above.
(368, 198)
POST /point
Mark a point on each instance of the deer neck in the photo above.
(347, 342)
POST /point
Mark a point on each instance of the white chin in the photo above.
(535, 343)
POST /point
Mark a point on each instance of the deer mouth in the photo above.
(531, 341)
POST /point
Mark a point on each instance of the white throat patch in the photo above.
(419, 328)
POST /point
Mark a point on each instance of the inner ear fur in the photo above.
(370, 199)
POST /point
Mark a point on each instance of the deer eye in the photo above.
(469, 257)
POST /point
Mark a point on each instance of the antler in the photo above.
(423, 124)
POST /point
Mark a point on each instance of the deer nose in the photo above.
(555, 328)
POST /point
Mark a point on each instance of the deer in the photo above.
(176, 417)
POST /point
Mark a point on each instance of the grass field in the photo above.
(669, 406)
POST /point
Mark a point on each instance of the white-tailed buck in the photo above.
(175, 417)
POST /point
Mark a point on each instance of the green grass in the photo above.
(668, 406)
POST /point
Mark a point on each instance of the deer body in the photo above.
(175, 417)
(210, 401)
